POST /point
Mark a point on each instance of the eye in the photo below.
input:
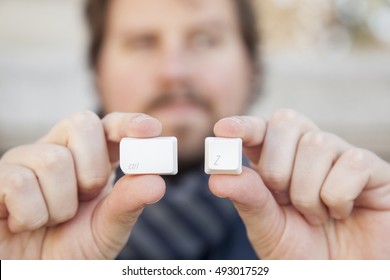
(140, 43)
(204, 40)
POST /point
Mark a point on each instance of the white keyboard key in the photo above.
(149, 155)
(223, 155)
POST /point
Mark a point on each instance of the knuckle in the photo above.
(54, 157)
(274, 179)
(22, 184)
(84, 120)
(358, 159)
(284, 117)
(315, 140)
(20, 180)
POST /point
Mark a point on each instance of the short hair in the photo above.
(96, 15)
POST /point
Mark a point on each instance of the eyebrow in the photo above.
(214, 25)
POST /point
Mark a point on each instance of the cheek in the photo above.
(227, 88)
(123, 88)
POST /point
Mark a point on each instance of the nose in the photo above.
(174, 67)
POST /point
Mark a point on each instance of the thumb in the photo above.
(116, 215)
(261, 214)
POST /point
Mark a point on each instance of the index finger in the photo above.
(94, 143)
(251, 130)
(82, 133)
(119, 125)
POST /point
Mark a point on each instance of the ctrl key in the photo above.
(148, 155)
(223, 155)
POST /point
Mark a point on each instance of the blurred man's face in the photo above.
(180, 61)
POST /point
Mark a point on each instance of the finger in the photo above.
(119, 125)
(260, 212)
(250, 129)
(53, 166)
(20, 195)
(356, 171)
(316, 154)
(83, 134)
(285, 129)
(119, 211)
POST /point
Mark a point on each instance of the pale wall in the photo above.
(43, 78)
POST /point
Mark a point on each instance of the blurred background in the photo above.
(328, 59)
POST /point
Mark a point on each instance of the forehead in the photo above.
(168, 13)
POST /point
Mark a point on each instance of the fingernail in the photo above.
(141, 118)
(334, 214)
(236, 119)
(314, 220)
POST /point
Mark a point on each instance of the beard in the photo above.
(191, 125)
(178, 95)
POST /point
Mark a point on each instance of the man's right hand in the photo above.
(57, 199)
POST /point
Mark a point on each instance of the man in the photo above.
(186, 66)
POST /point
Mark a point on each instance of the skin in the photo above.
(60, 188)
(162, 57)
(306, 188)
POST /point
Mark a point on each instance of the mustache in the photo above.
(187, 95)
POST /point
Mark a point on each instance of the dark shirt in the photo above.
(189, 222)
